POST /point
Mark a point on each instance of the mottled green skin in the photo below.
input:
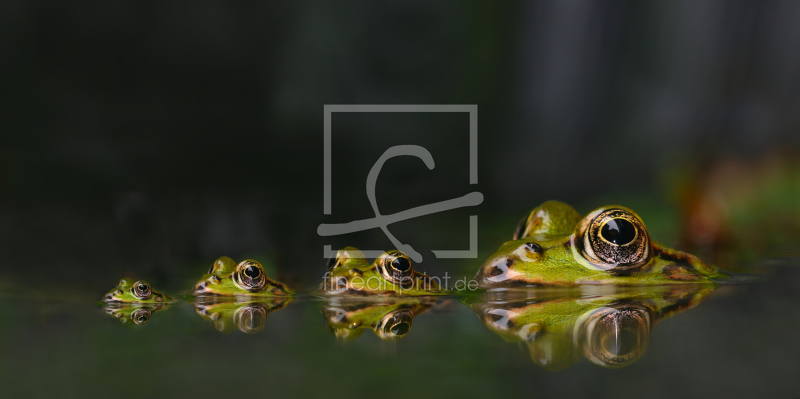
(560, 264)
(354, 276)
(388, 318)
(248, 317)
(133, 313)
(122, 294)
(558, 331)
(219, 282)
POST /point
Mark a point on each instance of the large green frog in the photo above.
(388, 318)
(227, 278)
(248, 317)
(391, 274)
(609, 326)
(130, 291)
(553, 245)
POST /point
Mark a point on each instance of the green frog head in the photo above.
(388, 318)
(391, 274)
(609, 326)
(131, 291)
(247, 278)
(248, 317)
(553, 245)
(136, 313)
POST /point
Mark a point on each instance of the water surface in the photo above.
(738, 341)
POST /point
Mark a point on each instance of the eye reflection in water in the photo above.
(388, 318)
(136, 314)
(609, 326)
(248, 317)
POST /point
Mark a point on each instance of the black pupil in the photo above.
(142, 288)
(400, 328)
(401, 264)
(252, 271)
(618, 231)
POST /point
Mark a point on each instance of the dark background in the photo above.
(149, 138)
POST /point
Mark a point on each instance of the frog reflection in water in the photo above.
(130, 291)
(391, 274)
(248, 278)
(611, 329)
(248, 317)
(553, 245)
(388, 318)
(137, 313)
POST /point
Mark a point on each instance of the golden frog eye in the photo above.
(141, 290)
(396, 267)
(249, 275)
(613, 239)
(141, 316)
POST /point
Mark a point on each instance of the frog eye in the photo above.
(333, 261)
(520, 230)
(141, 290)
(141, 316)
(249, 275)
(613, 239)
(395, 266)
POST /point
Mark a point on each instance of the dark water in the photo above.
(738, 341)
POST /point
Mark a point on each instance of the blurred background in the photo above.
(148, 139)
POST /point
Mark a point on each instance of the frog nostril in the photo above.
(499, 267)
(533, 247)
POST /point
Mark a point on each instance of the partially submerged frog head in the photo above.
(225, 277)
(389, 318)
(553, 245)
(131, 291)
(390, 274)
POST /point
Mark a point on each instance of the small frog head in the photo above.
(225, 277)
(130, 291)
(391, 274)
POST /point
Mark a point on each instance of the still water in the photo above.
(735, 340)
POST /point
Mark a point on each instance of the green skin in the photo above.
(248, 317)
(219, 281)
(611, 328)
(123, 293)
(349, 274)
(133, 313)
(388, 318)
(557, 230)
